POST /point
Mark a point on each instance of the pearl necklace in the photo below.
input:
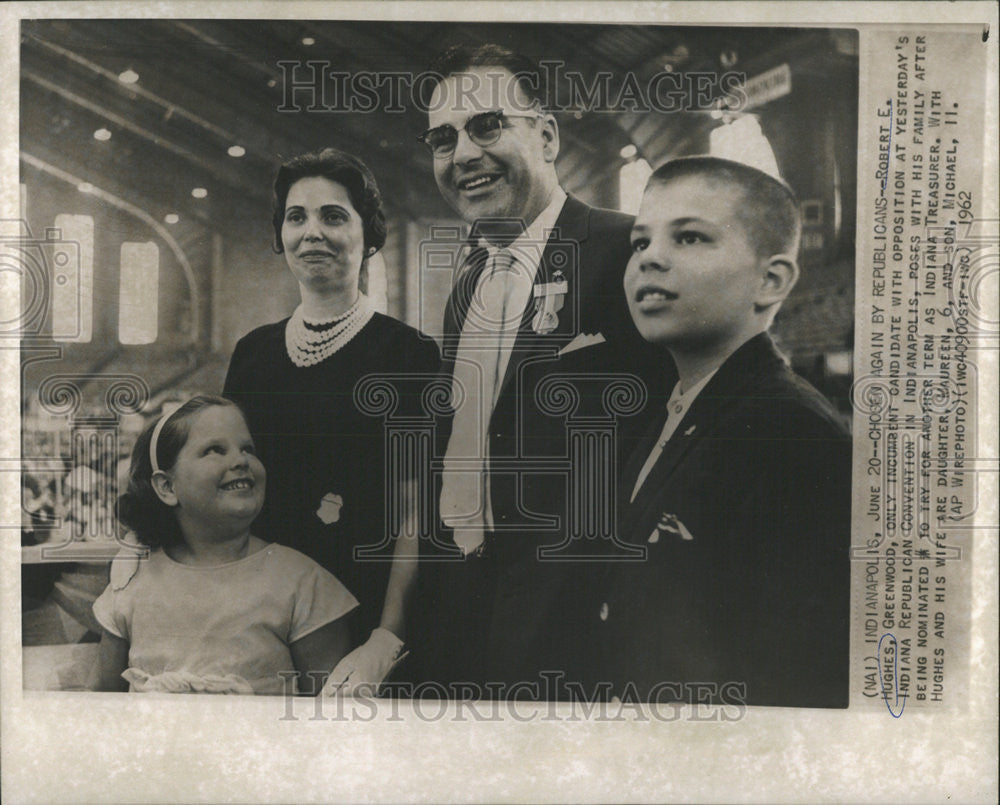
(312, 343)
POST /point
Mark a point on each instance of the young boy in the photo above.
(741, 491)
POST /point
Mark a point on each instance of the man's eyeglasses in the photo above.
(483, 129)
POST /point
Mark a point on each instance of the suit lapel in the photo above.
(562, 253)
(682, 441)
(724, 390)
(637, 460)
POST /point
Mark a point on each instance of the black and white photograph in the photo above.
(395, 383)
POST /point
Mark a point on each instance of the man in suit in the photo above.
(541, 275)
(741, 492)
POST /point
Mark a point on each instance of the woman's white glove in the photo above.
(363, 670)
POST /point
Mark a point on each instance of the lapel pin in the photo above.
(549, 299)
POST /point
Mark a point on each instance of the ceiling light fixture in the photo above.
(308, 40)
(102, 134)
(129, 76)
(199, 192)
(171, 218)
(236, 151)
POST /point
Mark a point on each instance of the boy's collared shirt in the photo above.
(677, 407)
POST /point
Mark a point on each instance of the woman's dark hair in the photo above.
(140, 508)
(344, 169)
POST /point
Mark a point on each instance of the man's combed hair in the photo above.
(461, 58)
(769, 208)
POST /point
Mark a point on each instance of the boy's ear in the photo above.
(780, 273)
(164, 488)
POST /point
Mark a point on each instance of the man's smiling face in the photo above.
(511, 178)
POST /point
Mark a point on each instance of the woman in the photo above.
(295, 379)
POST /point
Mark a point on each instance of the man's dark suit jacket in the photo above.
(501, 617)
(746, 520)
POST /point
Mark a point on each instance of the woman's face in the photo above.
(323, 236)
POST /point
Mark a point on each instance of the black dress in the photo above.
(325, 458)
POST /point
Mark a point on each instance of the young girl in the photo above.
(212, 608)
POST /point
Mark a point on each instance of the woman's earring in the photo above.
(363, 275)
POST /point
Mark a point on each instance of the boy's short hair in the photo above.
(770, 212)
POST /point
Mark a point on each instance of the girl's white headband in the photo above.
(156, 438)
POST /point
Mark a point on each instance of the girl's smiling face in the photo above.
(323, 236)
(217, 482)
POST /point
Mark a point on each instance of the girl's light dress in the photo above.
(220, 629)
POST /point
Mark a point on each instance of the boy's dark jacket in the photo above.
(746, 522)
